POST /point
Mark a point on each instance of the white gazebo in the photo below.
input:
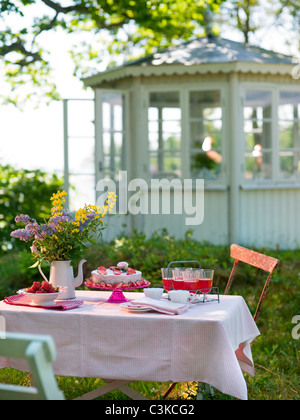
(209, 109)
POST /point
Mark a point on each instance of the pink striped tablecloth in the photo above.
(209, 343)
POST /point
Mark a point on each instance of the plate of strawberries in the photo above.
(41, 294)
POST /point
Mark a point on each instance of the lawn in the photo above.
(276, 353)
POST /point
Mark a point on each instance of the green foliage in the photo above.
(151, 254)
(128, 24)
(23, 192)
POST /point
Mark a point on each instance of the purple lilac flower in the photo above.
(56, 220)
(66, 214)
(23, 218)
(46, 231)
(21, 234)
(32, 228)
(89, 218)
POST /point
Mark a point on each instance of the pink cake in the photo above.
(117, 276)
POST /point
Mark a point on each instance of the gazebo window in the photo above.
(289, 134)
(164, 134)
(112, 135)
(258, 135)
(205, 122)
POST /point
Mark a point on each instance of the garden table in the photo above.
(209, 343)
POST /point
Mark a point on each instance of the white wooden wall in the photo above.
(270, 218)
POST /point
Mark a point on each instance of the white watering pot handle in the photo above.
(43, 275)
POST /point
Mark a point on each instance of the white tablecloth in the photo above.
(209, 343)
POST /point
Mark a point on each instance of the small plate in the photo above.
(128, 307)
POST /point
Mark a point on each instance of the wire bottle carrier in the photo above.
(170, 282)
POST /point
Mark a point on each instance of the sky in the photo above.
(33, 138)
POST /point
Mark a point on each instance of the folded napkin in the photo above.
(23, 300)
(163, 306)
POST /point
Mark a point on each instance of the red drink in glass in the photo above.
(168, 284)
(178, 284)
(191, 286)
(205, 285)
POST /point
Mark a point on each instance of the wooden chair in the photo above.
(255, 259)
(40, 353)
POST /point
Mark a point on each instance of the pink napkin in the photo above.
(23, 300)
(163, 306)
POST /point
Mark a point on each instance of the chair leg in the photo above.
(231, 277)
(169, 390)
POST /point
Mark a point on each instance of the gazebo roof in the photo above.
(212, 49)
(209, 54)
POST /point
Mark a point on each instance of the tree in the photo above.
(250, 16)
(131, 25)
(27, 192)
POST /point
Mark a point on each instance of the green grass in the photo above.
(276, 353)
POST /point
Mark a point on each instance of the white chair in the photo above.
(40, 353)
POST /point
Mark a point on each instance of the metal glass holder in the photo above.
(212, 295)
(202, 295)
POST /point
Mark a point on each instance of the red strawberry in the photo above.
(113, 267)
(30, 290)
(140, 282)
(46, 286)
(109, 285)
(102, 284)
(36, 285)
(119, 285)
(117, 272)
(130, 271)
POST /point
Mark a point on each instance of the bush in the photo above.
(23, 192)
(151, 254)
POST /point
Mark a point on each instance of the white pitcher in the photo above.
(62, 275)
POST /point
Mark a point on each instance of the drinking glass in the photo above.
(167, 279)
(190, 279)
(178, 279)
(205, 281)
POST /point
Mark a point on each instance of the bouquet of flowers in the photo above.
(66, 235)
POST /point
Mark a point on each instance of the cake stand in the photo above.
(117, 294)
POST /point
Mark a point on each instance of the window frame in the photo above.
(275, 181)
(160, 153)
(186, 146)
(100, 170)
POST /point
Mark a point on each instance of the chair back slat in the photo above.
(253, 258)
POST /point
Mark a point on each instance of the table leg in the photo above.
(112, 385)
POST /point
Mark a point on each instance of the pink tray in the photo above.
(117, 294)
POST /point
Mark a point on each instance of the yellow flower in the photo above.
(57, 203)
